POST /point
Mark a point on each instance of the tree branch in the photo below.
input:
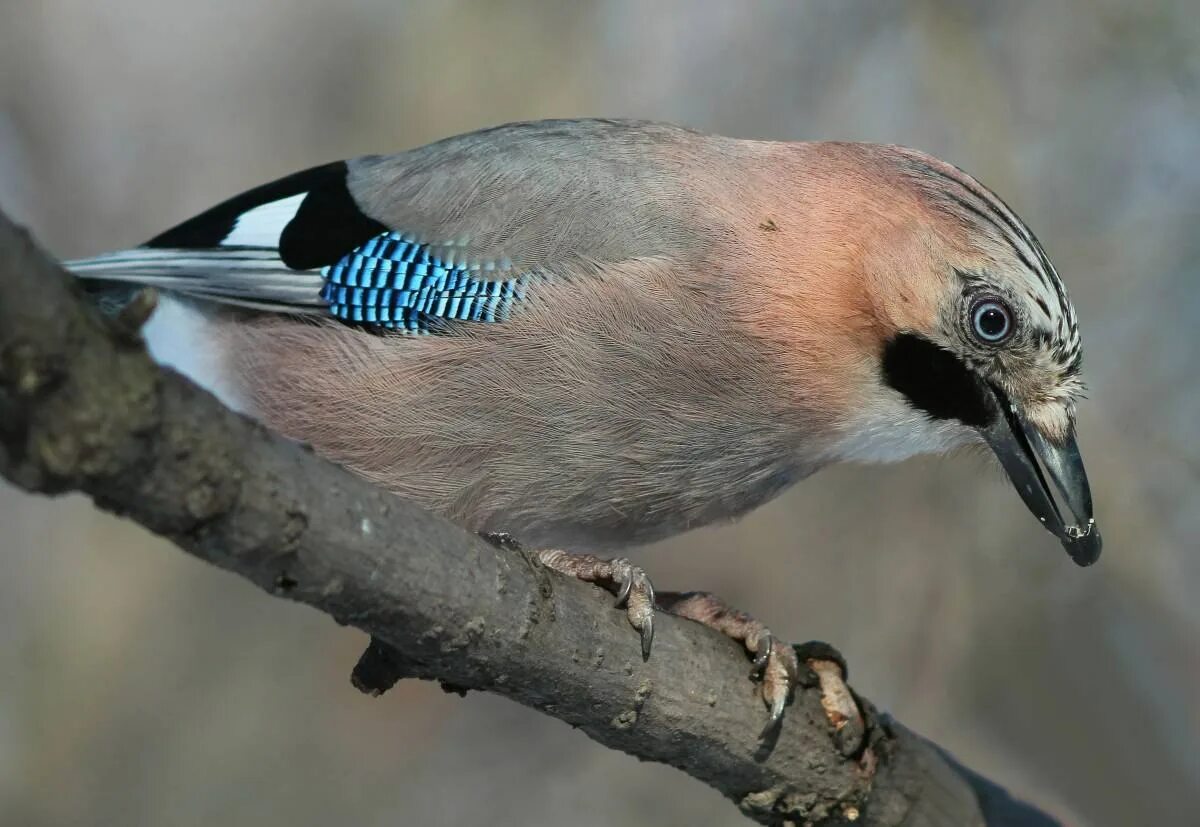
(84, 408)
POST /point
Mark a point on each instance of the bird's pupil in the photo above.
(992, 322)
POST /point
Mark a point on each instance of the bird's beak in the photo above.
(1029, 457)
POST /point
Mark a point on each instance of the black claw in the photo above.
(647, 637)
(623, 592)
(774, 721)
(818, 650)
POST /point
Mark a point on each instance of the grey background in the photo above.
(138, 686)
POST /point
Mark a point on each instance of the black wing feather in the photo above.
(328, 225)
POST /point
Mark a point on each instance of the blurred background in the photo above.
(140, 687)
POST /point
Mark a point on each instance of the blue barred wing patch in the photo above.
(393, 281)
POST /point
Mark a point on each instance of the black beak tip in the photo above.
(1084, 550)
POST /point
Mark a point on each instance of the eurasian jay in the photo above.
(592, 334)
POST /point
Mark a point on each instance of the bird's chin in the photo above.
(1047, 473)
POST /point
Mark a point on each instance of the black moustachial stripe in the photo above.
(935, 380)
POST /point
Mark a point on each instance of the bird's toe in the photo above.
(628, 582)
(636, 594)
(776, 667)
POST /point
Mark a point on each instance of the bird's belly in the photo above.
(555, 441)
(618, 516)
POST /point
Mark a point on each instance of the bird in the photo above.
(588, 335)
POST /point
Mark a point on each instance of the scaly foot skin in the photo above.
(775, 663)
(630, 584)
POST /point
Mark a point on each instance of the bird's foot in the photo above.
(777, 665)
(826, 668)
(774, 663)
(628, 582)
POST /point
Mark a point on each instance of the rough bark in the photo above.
(84, 408)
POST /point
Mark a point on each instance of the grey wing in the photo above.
(528, 196)
(452, 231)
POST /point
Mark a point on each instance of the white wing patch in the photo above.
(262, 226)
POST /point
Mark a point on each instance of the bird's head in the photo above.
(961, 332)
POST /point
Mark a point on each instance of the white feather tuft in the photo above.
(181, 336)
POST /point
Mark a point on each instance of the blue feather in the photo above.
(394, 282)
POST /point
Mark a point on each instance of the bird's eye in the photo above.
(991, 321)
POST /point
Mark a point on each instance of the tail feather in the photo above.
(251, 277)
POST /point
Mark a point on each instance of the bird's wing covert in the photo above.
(455, 230)
(527, 196)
